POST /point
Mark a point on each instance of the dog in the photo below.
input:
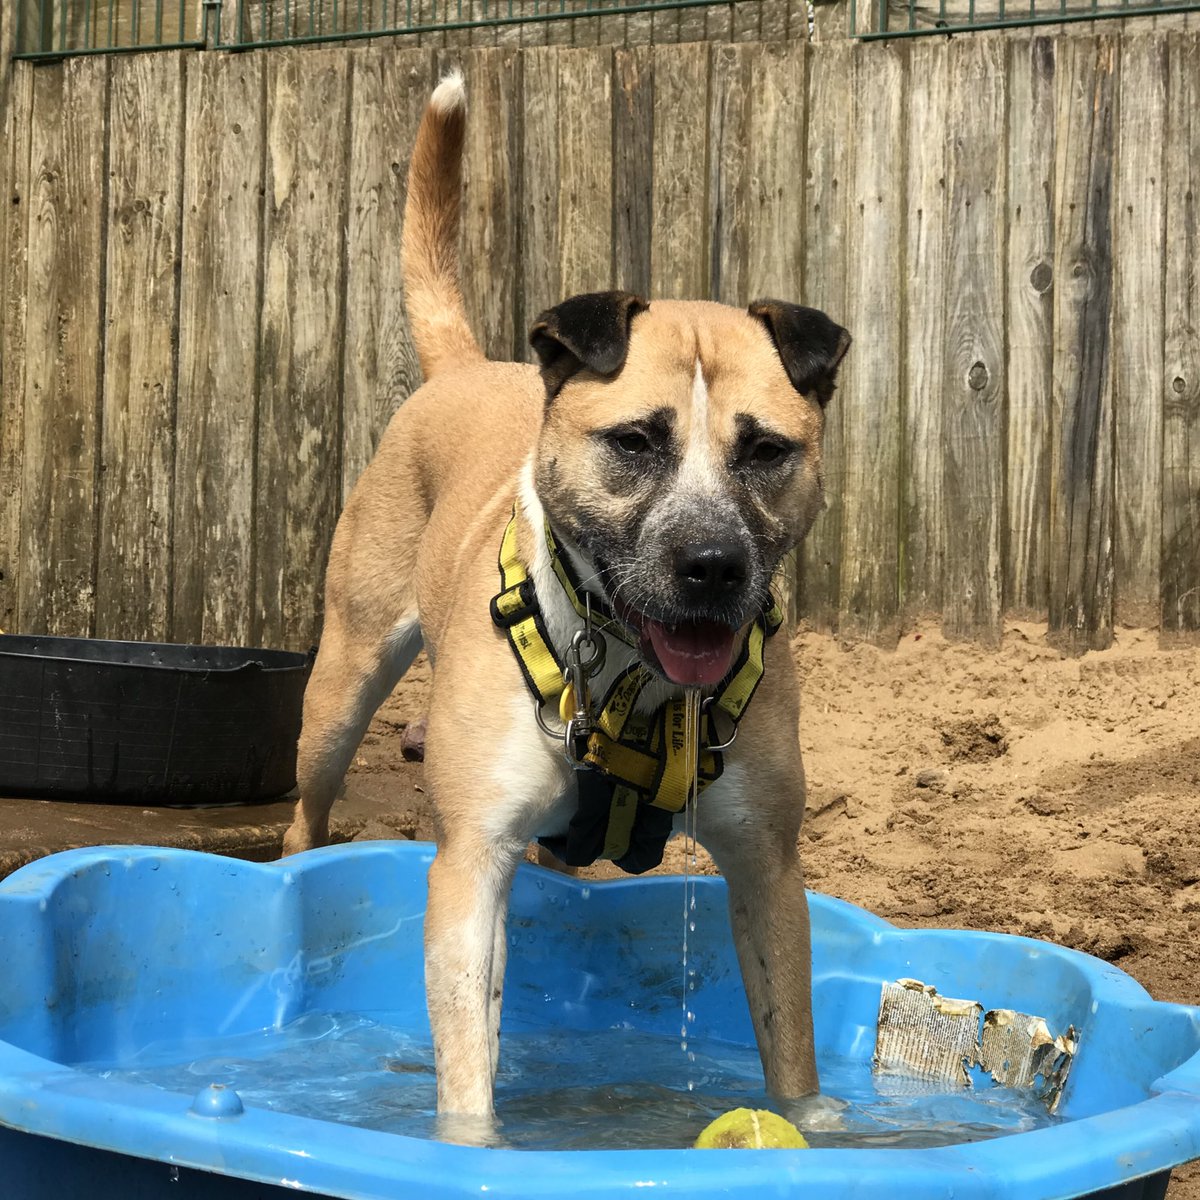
(645, 481)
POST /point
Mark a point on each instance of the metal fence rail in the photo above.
(292, 22)
(880, 19)
(56, 28)
(59, 28)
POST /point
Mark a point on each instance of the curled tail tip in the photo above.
(450, 95)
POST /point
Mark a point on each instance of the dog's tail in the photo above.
(429, 248)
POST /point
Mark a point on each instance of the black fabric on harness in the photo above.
(584, 841)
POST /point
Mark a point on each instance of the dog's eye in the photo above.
(631, 442)
(765, 453)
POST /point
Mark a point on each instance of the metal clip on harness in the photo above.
(585, 658)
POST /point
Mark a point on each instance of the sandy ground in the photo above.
(1014, 790)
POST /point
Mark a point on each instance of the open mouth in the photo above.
(691, 653)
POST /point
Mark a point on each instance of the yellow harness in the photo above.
(636, 770)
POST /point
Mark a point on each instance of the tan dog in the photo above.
(675, 450)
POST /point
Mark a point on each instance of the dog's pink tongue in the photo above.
(695, 652)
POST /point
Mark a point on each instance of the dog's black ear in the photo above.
(810, 345)
(585, 331)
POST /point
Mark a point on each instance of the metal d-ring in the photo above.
(537, 716)
(598, 647)
(704, 707)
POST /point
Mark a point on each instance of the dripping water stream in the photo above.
(691, 698)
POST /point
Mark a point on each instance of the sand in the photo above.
(1011, 789)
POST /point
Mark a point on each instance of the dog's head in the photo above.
(681, 453)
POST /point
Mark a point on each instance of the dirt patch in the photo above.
(1013, 790)
(974, 740)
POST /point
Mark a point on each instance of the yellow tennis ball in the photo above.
(751, 1129)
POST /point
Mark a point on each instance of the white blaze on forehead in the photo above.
(699, 470)
(699, 401)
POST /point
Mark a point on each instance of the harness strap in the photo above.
(640, 765)
(515, 610)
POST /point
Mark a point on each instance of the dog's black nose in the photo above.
(711, 570)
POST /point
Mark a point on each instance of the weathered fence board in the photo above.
(145, 183)
(633, 167)
(718, 22)
(491, 178)
(870, 396)
(774, 20)
(534, 33)
(664, 26)
(381, 366)
(1018, 426)
(729, 141)
(691, 25)
(1081, 500)
(219, 382)
(973, 383)
(14, 234)
(678, 259)
(540, 264)
(827, 187)
(776, 216)
(639, 29)
(1138, 251)
(63, 348)
(1181, 418)
(747, 21)
(585, 197)
(612, 29)
(298, 485)
(921, 502)
(1030, 320)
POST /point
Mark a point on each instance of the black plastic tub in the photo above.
(144, 722)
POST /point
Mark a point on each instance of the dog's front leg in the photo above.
(769, 913)
(756, 852)
(469, 885)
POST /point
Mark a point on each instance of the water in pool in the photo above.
(613, 1089)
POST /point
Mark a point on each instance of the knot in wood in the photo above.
(1041, 277)
(977, 377)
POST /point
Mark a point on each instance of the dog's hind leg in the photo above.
(350, 679)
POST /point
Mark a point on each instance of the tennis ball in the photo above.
(751, 1129)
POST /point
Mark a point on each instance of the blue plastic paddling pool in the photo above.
(143, 994)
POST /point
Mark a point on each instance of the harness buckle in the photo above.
(514, 605)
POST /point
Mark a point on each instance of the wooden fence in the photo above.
(203, 336)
